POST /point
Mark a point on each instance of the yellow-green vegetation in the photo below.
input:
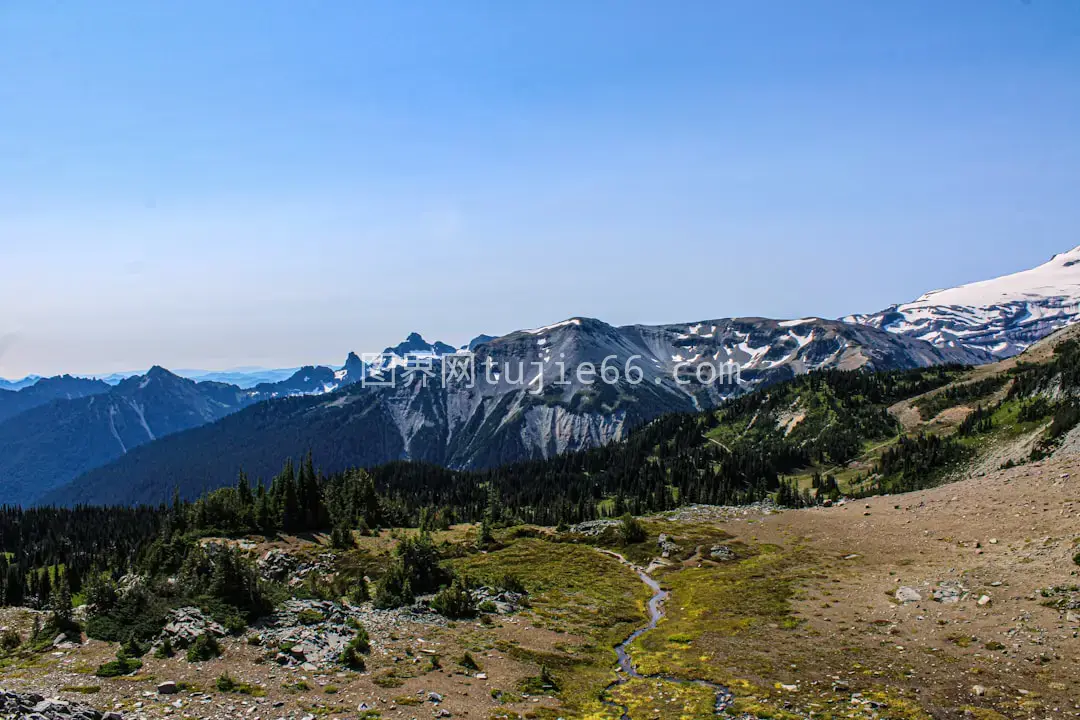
(572, 588)
(83, 689)
(576, 590)
(664, 700)
(714, 602)
(723, 624)
(226, 684)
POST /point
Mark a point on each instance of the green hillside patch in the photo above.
(931, 404)
(664, 700)
(576, 590)
(713, 604)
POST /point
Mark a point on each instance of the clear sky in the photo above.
(213, 184)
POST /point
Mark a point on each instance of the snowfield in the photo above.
(1002, 316)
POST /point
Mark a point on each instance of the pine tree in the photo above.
(60, 603)
(310, 496)
(292, 516)
(14, 587)
(243, 491)
(44, 588)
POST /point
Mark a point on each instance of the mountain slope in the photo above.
(49, 445)
(1002, 316)
(46, 390)
(508, 415)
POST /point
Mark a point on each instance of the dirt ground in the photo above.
(1004, 537)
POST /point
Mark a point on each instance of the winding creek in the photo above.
(626, 670)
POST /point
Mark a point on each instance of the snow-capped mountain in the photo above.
(412, 350)
(1002, 316)
(415, 344)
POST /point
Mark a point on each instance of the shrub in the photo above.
(455, 601)
(631, 530)
(511, 583)
(308, 616)
(394, 589)
(164, 650)
(341, 537)
(139, 614)
(122, 665)
(469, 663)
(205, 647)
(350, 654)
(225, 582)
(1076, 559)
(9, 640)
(133, 648)
(225, 683)
(359, 592)
(538, 685)
(360, 641)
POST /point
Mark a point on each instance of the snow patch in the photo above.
(547, 328)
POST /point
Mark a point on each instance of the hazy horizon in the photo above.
(273, 184)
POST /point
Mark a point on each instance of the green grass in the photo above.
(664, 700)
(576, 590)
(226, 684)
(713, 603)
(118, 667)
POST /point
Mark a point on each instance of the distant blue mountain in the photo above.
(244, 378)
(18, 384)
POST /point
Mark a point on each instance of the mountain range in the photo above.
(134, 444)
(18, 384)
(46, 390)
(242, 377)
(506, 415)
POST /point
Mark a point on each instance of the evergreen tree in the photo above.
(14, 588)
(60, 603)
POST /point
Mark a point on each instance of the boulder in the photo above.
(949, 591)
(276, 564)
(36, 707)
(186, 624)
(907, 595)
(721, 553)
(667, 546)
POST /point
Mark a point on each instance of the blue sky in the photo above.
(207, 184)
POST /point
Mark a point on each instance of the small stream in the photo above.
(626, 670)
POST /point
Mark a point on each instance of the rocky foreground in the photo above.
(36, 707)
